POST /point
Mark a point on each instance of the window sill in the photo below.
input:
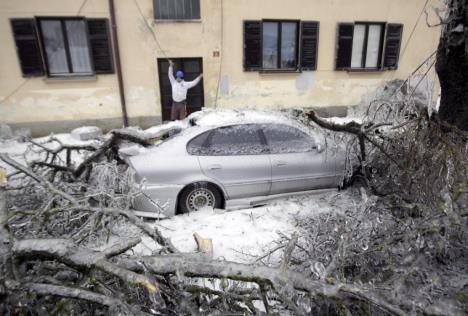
(365, 70)
(70, 78)
(162, 21)
(279, 71)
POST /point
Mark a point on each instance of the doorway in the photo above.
(191, 67)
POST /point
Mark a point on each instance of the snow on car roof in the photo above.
(211, 117)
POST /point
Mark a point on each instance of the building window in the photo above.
(70, 46)
(367, 45)
(66, 46)
(279, 45)
(274, 45)
(177, 9)
(361, 46)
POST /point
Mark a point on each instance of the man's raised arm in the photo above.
(170, 72)
(191, 84)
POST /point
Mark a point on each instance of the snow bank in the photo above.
(243, 235)
(86, 132)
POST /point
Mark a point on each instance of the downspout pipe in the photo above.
(115, 44)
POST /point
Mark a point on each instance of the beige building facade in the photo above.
(274, 62)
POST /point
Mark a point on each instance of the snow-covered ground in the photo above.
(243, 235)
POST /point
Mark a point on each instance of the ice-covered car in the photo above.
(220, 160)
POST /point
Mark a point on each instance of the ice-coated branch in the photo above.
(275, 277)
(80, 258)
(288, 251)
(81, 294)
(121, 247)
(116, 137)
(46, 184)
(350, 127)
(153, 232)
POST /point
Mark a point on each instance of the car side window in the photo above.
(282, 139)
(198, 145)
(236, 140)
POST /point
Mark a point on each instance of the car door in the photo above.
(236, 157)
(297, 163)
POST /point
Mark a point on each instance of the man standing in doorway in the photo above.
(179, 92)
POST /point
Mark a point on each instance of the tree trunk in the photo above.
(452, 66)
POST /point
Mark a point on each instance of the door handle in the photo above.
(281, 163)
(215, 167)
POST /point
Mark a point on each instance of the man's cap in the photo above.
(179, 74)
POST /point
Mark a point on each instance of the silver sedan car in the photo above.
(206, 166)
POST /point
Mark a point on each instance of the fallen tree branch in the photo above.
(121, 247)
(49, 186)
(80, 258)
(7, 267)
(172, 264)
(150, 231)
(350, 127)
(153, 232)
(288, 252)
(116, 137)
(77, 293)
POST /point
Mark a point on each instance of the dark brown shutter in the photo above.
(344, 46)
(392, 45)
(99, 38)
(27, 47)
(309, 45)
(252, 45)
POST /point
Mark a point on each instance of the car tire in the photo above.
(198, 195)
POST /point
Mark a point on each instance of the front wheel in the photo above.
(199, 195)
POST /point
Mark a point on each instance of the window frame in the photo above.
(168, 20)
(278, 46)
(363, 67)
(42, 46)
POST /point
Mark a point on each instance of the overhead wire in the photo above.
(81, 7)
(14, 90)
(414, 28)
(150, 29)
(406, 46)
(426, 61)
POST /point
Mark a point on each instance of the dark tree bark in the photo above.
(452, 66)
